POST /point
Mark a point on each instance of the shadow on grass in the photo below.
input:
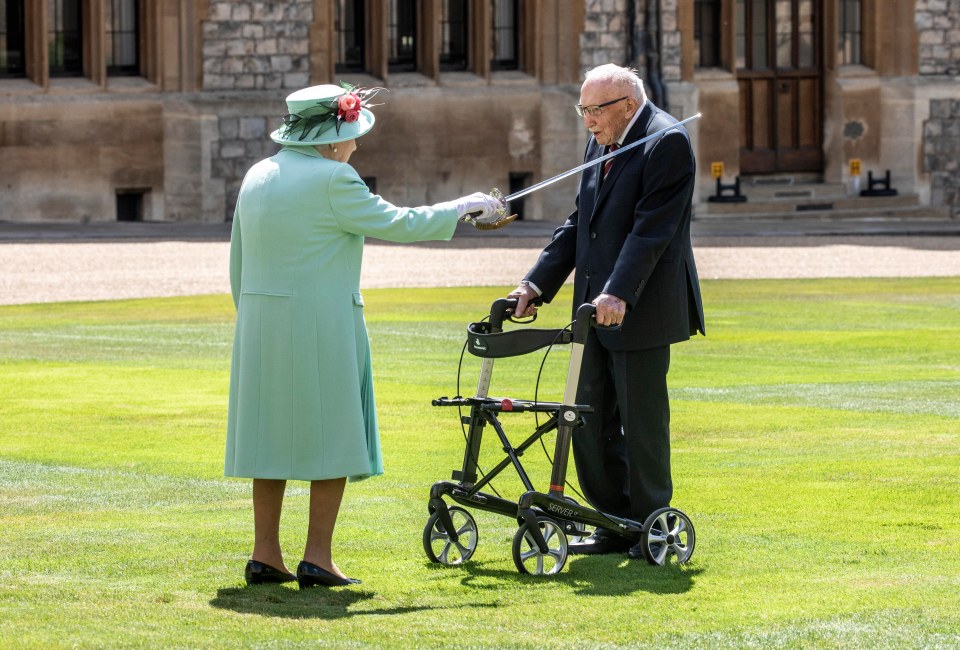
(285, 602)
(591, 576)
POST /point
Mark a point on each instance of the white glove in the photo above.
(468, 208)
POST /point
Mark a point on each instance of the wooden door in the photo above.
(779, 75)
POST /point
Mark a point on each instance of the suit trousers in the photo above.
(622, 453)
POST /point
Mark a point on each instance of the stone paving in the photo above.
(112, 261)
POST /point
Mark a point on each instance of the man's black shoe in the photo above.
(636, 551)
(600, 543)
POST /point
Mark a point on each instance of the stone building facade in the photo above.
(864, 80)
(941, 142)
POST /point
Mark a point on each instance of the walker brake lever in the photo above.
(537, 302)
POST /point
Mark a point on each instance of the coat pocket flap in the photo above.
(358, 300)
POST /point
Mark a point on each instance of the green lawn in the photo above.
(816, 448)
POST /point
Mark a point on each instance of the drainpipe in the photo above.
(656, 90)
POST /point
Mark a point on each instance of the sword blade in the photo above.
(612, 154)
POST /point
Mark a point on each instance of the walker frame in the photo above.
(546, 520)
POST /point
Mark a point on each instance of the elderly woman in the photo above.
(301, 390)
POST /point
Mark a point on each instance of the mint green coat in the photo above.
(301, 388)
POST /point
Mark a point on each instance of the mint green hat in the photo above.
(326, 114)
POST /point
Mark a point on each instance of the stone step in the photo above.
(846, 209)
(822, 225)
(789, 188)
(795, 205)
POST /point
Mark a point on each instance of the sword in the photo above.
(504, 219)
(608, 156)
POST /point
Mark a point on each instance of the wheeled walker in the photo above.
(546, 520)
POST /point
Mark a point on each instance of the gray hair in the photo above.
(626, 78)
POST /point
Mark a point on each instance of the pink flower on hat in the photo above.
(351, 116)
(348, 102)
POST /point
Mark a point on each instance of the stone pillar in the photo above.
(191, 192)
(941, 142)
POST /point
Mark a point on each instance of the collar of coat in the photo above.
(305, 149)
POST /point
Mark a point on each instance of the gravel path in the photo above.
(52, 271)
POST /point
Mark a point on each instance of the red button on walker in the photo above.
(506, 405)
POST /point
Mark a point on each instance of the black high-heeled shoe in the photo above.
(310, 575)
(258, 573)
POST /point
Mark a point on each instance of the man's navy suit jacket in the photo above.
(630, 237)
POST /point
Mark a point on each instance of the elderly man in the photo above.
(628, 242)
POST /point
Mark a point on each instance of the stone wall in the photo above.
(605, 37)
(938, 27)
(244, 139)
(67, 159)
(941, 142)
(610, 36)
(257, 45)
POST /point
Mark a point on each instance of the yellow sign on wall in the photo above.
(716, 169)
(854, 166)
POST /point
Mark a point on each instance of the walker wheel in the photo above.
(527, 556)
(667, 535)
(440, 548)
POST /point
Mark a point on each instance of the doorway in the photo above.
(779, 74)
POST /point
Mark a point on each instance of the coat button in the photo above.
(593, 235)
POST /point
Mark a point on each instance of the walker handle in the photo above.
(587, 318)
(502, 309)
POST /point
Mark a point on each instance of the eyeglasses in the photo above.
(596, 109)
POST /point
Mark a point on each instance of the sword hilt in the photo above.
(502, 211)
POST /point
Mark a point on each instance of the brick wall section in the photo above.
(244, 140)
(941, 142)
(606, 36)
(252, 46)
(938, 27)
(256, 45)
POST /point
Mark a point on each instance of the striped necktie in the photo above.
(608, 164)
